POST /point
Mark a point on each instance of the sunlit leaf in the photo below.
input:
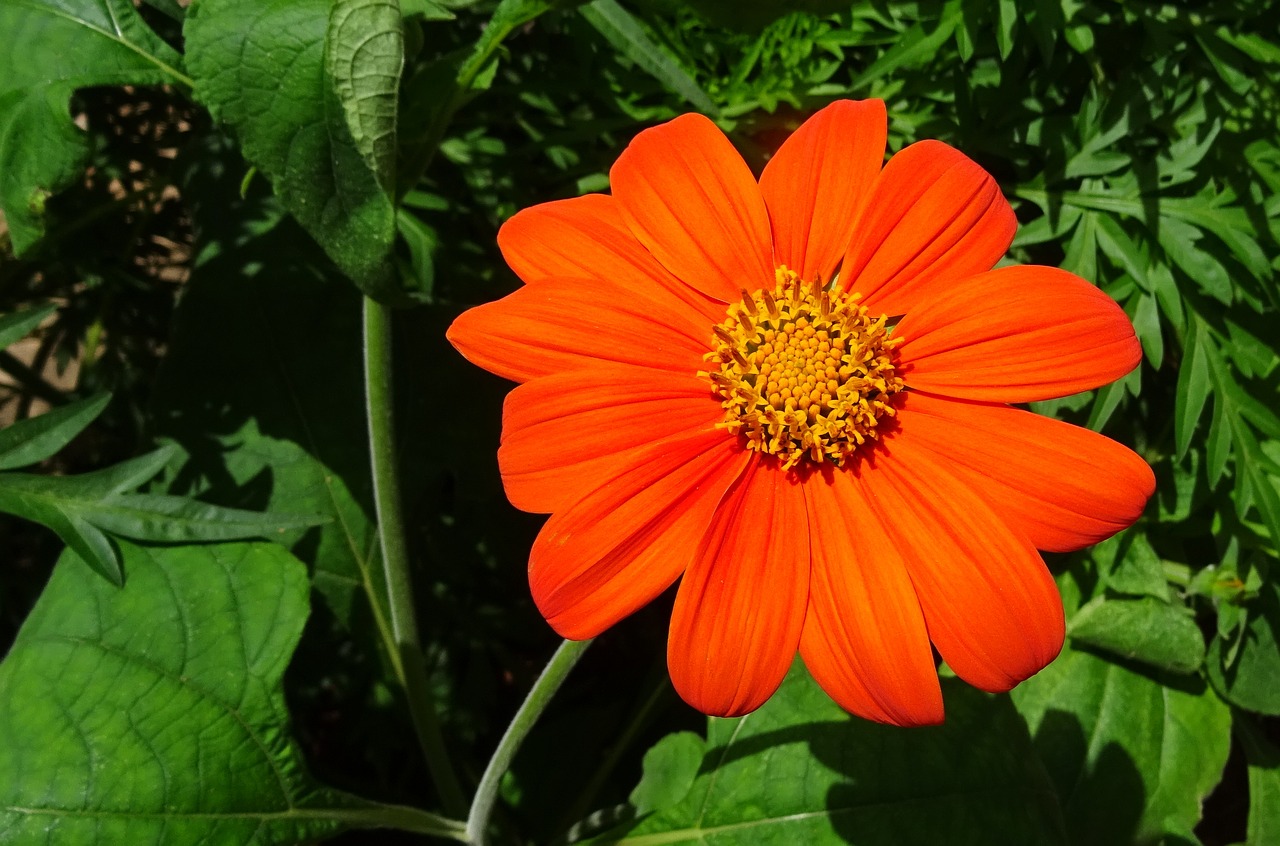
(800, 770)
(64, 46)
(1133, 757)
(1147, 630)
(154, 713)
(310, 87)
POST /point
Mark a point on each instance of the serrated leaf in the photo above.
(1193, 388)
(1255, 471)
(916, 43)
(310, 89)
(65, 46)
(1147, 630)
(1217, 447)
(1132, 758)
(630, 39)
(1178, 240)
(1250, 679)
(109, 696)
(1264, 783)
(800, 770)
(36, 438)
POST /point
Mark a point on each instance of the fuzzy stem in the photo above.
(534, 704)
(379, 400)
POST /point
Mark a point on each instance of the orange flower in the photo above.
(794, 394)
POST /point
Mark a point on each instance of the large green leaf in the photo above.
(1132, 758)
(1249, 675)
(310, 88)
(155, 713)
(800, 770)
(52, 48)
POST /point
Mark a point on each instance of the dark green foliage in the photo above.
(257, 158)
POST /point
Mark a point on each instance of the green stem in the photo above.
(534, 704)
(395, 556)
(403, 818)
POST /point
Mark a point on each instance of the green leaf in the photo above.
(79, 508)
(1255, 471)
(1147, 630)
(65, 45)
(310, 89)
(1250, 679)
(17, 325)
(1264, 783)
(37, 438)
(274, 420)
(800, 770)
(1146, 323)
(1178, 239)
(1007, 13)
(1129, 565)
(155, 713)
(1132, 758)
(670, 768)
(914, 45)
(629, 37)
(1193, 388)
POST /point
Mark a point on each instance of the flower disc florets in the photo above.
(804, 371)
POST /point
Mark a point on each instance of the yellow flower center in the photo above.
(804, 371)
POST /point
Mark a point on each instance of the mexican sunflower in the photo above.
(793, 395)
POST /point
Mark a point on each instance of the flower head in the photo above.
(793, 395)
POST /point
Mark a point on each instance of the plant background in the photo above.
(167, 192)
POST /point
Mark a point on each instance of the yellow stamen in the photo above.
(804, 371)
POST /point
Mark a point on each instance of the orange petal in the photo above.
(864, 638)
(1063, 486)
(991, 607)
(613, 551)
(1017, 334)
(741, 605)
(562, 434)
(934, 216)
(819, 181)
(691, 200)
(585, 238)
(555, 325)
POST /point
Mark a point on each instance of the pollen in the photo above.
(804, 371)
